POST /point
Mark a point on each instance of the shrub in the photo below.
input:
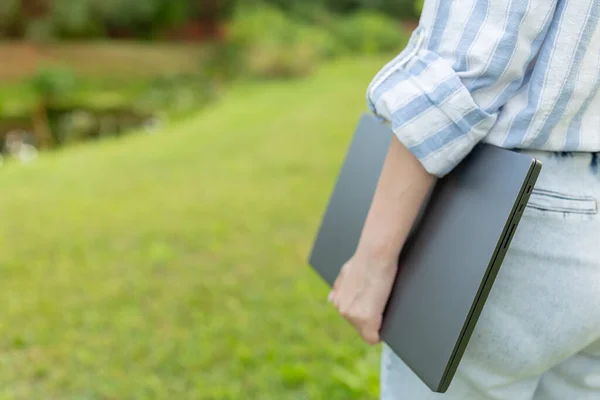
(134, 18)
(211, 9)
(76, 19)
(323, 42)
(252, 24)
(270, 60)
(50, 86)
(53, 83)
(266, 42)
(221, 62)
(176, 93)
(419, 6)
(270, 44)
(368, 33)
(39, 29)
(393, 8)
(9, 16)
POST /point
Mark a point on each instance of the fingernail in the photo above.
(330, 298)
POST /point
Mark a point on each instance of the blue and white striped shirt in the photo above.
(512, 73)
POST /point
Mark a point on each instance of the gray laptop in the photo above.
(450, 261)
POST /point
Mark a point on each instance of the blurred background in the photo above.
(164, 167)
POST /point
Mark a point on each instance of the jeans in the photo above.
(538, 337)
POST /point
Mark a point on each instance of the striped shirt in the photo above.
(519, 74)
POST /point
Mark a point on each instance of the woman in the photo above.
(520, 74)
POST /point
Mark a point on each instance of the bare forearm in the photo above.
(401, 190)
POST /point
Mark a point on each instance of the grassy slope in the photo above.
(173, 266)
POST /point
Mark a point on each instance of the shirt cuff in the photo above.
(429, 109)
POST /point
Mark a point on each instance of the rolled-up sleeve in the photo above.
(443, 94)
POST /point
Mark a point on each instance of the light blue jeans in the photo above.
(538, 337)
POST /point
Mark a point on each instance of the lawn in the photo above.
(173, 265)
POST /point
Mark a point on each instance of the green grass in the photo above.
(173, 266)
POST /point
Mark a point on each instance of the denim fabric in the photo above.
(538, 337)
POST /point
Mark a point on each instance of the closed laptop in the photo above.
(452, 256)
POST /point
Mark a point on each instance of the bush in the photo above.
(52, 84)
(368, 33)
(76, 19)
(151, 18)
(176, 93)
(266, 42)
(211, 9)
(271, 60)
(272, 45)
(9, 16)
(39, 30)
(131, 18)
(419, 6)
(391, 8)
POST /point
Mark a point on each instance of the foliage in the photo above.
(51, 83)
(218, 9)
(151, 18)
(9, 15)
(88, 18)
(419, 6)
(57, 95)
(39, 30)
(139, 19)
(392, 8)
(272, 44)
(254, 24)
(107, 74)
(368, 33)
(135, 17)
(155, 267)
(76, 19)
(176, 93)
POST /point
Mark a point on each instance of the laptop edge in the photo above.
(486, 286)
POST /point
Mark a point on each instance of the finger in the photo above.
(338, 281)
(337, 287)
(335, 298)
(370, 335)
(371, 330)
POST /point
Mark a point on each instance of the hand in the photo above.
(361, 292)
(364, 284)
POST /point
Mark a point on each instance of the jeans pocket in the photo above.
(566, 205)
